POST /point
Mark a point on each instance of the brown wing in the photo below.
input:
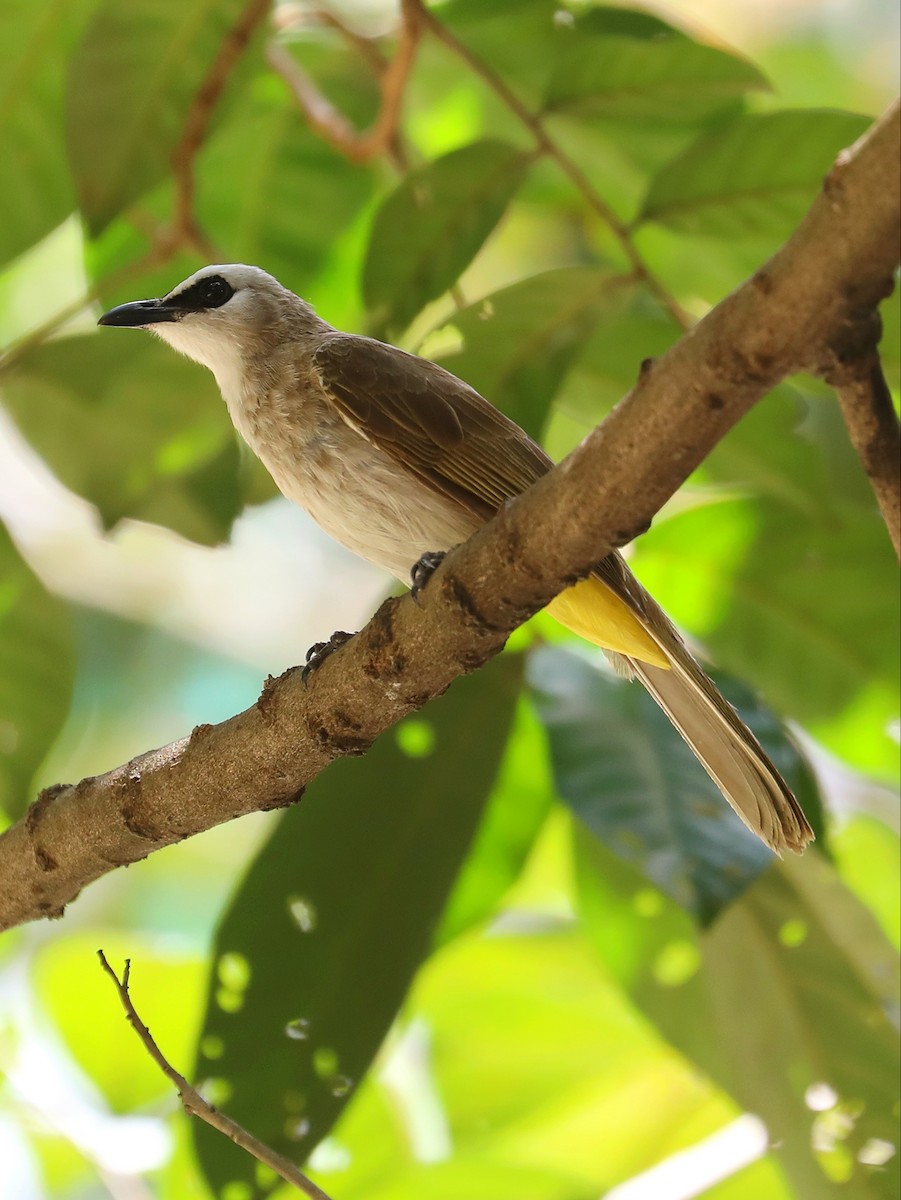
(432, 422)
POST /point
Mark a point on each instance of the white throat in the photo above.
(223, 356)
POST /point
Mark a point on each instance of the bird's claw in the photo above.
(423, 570)
(319, 652)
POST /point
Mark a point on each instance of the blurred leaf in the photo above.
(517, 38)
(293, 196)
(433, 224)
(37, 669)
(539, 1061)
(610, 358)
(166, 988)
(670, 79)
(786, 993)
(795, 585)
(132, 427)
(630, 778)
(519, 342)
(321, 941)
(755, 176)
(515, 814)
(866, 854)
(132, 81)
(37, 193)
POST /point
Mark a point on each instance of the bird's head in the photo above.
(219, 315)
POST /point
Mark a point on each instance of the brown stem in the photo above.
(198, 120)
(331, 124)
(195, 1105)
(873, 427)
(546, 144)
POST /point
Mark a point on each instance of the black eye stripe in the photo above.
(212, 292)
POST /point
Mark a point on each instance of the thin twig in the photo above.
(198, 120)
(195, 1105)
(331, 124)
(875, 434)
(546, 144)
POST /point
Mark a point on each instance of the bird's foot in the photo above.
(319, 652)
(423, 570)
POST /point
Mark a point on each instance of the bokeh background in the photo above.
(531, 1058)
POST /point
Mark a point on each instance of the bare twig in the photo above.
(198, 120)
(331, 124)
(781, 321)
(872, 422)
(548, 146)
(195, 1105)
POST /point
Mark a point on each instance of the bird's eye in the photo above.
(215, 291)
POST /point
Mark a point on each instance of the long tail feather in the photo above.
(724, 745)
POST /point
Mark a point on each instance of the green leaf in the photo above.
(293, 197)
(519, 342)
(431, 227)
(321, 941)
(513, 818)
(755, 177)
(37, 193)
(37, 669)
(133, 428)
(132, 81)
(630, 778)
(670, 79)
(517, 40)
(787, 992)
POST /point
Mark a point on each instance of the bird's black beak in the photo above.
(139, 313)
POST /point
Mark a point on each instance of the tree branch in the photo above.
(872, 422)
(838, 263)
(331, 124)
(195, 1105)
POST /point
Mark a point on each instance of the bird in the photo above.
(396, 458)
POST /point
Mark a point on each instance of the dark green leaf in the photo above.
(783, 1000)
(670, 79)
(132, 427)
(37, 668)
(519, 342)
(630, 778)
(515, 814)
(432, 226)
(323, 937)
(37, 192)
(132, 80)
(756, 176)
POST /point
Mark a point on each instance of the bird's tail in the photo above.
(724, 745)
(727, 749)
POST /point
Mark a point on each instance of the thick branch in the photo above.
(195, 1105)
(838, 263)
